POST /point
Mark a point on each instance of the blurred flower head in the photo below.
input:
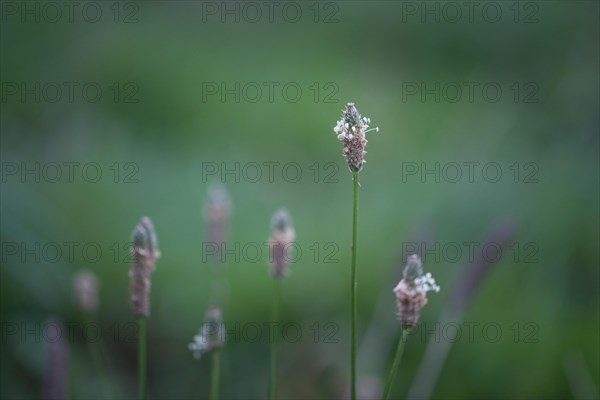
(144, 253)
(411, 291)
(216, 211)
(86, 290)
(211, 335)
(282, 235)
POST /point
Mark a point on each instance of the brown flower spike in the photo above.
(411, 292)
(282, 235)
(351, 131)
(144, 253)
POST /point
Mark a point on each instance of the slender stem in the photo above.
(141, 358)
(353, 286)
(97, 354)
(215, 377)
(396, 364)
(275, 322)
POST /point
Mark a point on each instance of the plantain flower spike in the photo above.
(351, 130)
(282, 235)
(211, 336)
(411, 292)
(144, 254)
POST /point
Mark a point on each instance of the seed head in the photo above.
(411, 292)
(144, 253)
(282, 235)
(351, 130)
(86, 290)
(211, 335)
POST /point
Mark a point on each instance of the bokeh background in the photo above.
(159, 126)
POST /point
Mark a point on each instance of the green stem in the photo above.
(275, 321)
(97, 354)
(141, 358)
(396, 364)
(215, 377)
(353, 286)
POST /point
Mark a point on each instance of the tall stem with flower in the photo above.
(211, 339)
(282, 236)
(351, 130)
(411, 296)
(144, 254)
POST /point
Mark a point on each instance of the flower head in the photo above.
(217, 210)
(144, 253)
(351, 130)
(211, 335)
(86, 290)
(411, 292)
(282, 235)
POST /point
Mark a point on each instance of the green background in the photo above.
(544, 297)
